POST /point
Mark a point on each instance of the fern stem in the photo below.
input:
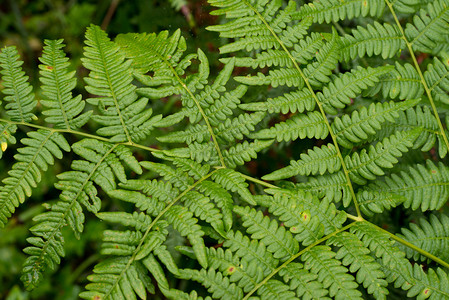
(418, 69)
(417, 249)
(295, 257)
(203, 114)
(266, 184)
(92, 136)
(142, 240)
(320, 106)
(355, 218)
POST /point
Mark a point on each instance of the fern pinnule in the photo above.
(377, 39)
(430, 234)
(18, 92)
(62, 109)
(39, 151)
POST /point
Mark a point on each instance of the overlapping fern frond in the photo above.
(364, 128)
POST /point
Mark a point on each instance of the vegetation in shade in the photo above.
(309, 161)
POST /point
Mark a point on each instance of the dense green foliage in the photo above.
(309, 162)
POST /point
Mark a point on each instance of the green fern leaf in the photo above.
(291, 211)
(57, 84)
(108, 280)
(316, 161)
(303, 282)
(333, 187)
(437, 79)
(402, 82)
(233, 181)
(275, 289)
(182, 220)
(377, 39)
(100, 167)
(369, 164)
(434, 285)
(410, 6)
(40, 148)
(335, 10)
(296, 101)
(380, 244)
(327, 58)
(19, 93)
(243, 152)
(123, 116)
(320, 261)
(279, 241)
(245, 274)
(218, 285)
(430, 235)
(429, 26)
(356, 128)
(339, 92)
(411, 187)
(353, 253)
(329, 217)
(310, 125)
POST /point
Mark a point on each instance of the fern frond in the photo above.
(335, 10)
(339, 92)
(279, 241)
(154, 194)
(434, 285)
(251, 250)
(316, 161)
(327, 57)
(245, 274)
(244, 152)
(333, 187)
(233, 181)
(353, 253)
(182, 220)
(356, 128)
(377, 39)
(62, 109)
(320, 260)
(123, 116)
(310, 125)
(424, 187)
(221, 197)
(304, 282)
(430, 25)
(39, 150)
(204, 209)
(109, 280)
(402, 82)
(409, 6)
(430, 235)
(291, 211)
(437, 78)
(18, 92)
(101, 165)
(275, 289)
(296, 101)
(329, 217)
(7, 132)
(177, 177)
(417, 117)
(380, 244)
(218, 285)
(369, 163)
